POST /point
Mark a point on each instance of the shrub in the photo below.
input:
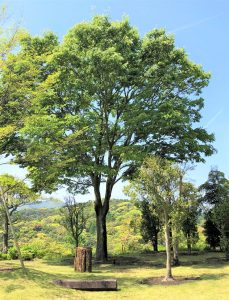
(27, 255)
(3, 256)
(12, 253)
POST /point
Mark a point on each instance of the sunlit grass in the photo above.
(212, 269)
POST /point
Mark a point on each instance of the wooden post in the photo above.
(83, 259)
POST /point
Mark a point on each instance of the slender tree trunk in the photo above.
(5, 234)
(168, 249)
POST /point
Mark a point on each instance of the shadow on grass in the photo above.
(12, 287)
(148, 261)
(45, 279)
(213, 276)
(66, 261)
(209, 264)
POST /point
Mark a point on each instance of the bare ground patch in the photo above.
(177, 280)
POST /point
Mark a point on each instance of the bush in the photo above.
(3, 256)
(27, 255)
(12, 253)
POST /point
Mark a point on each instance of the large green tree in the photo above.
(104, 99)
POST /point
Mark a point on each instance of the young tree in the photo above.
(158, 181)
(16, 193)
(103, 101)
(74, 218)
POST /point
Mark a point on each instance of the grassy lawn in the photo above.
(212, 269)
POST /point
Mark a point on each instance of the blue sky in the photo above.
(199, 26)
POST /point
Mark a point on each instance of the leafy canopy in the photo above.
(104, 99)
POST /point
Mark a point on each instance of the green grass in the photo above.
(213, 270)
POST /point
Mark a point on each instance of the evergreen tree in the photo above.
(215, 192)
(150, 224)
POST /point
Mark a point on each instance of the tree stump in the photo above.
(83, 259)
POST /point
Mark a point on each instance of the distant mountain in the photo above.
(57, 203)
(49, 203)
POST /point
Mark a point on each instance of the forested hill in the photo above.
(40, 225)
(40, 229)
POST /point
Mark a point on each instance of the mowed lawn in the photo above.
(129, 271)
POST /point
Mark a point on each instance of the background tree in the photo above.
(192, 211)
(215, 191)
(211, 231)
(16, 194)
(105, 100)
(150, 223)
(74, 218)
(220, 216)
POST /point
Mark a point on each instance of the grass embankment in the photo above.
(211, 267)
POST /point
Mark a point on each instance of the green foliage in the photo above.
(150, 223)
(3, 256)
(216, 188)
(12, 253)
(211, 231)
(216, 196)
(191, 213)
(126, 92)
(124, 228)
(97, 104)
(220, 216)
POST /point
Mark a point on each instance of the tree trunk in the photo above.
(189, 245)
(155, 243)
(176, 261)
(101, 246)
(5, 234)
(101, 210)
(227, 254)
(168, 249)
